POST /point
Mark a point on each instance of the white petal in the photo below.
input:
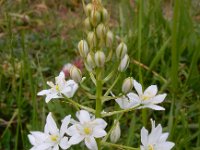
(64, 143)
(73, 130)
(165, 145)
(52, 96)
(124, 102)
(91, 143)
(144, 136)
(55, 147)
(62, 75)
(44, 146)
(100, 123)
(64, 125)
(155, 107)
(72, 87)
(75, 139)
(83, 116)
(51, 84)
(32, 139)
(151, 91)
(39, 136)
(155, 134)
(134, 99)
(43, 92)
(158, 98)
(51, 124)
(138, 87)
(163, 137)
(98, 132)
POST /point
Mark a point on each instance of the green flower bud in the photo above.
(104, 15)
(88, 9)
(92, 39)
(99, 58)
(90, 61)
(83, 48)
(101, 30)
(115, 133)
(109, 39)
(124, 63)
(121, 50)
(127, 85)
(76, 74)
(95, 17)
(87, 24)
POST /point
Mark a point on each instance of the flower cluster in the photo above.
(87, 128)
(146, 99)
(96, 51)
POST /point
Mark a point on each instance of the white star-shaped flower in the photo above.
(68, 88)
(146, 99)
(156, 140)
(52, 137)
(88, 128)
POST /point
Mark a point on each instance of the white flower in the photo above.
(68, 88)
(146, 99)
(52, 137)
(88, 128)
(116, 132)
(156, 140)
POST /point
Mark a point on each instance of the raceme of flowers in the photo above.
(90, 127)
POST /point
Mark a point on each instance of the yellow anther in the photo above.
(145, 98)
(150, 147)
(57, 88)
(54, 138)
(87, 130)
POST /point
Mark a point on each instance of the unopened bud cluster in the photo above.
(99, 40)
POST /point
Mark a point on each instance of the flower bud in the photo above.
(95, 17)
(101, 30)
(87, 24)
(121, 50)
(92, 39)
(124, 63)
(88, 9)
(90, 61)
(109, 39)
(115, 133)
(127, 85)
(104, 15)
(83, 48)
(99, 58)
(76, 74)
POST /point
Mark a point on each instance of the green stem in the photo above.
(119, 146)
(79, 105)
(98, 98)
(107, 114)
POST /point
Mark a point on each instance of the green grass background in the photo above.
(38, 37)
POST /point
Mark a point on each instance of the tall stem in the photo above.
(98, 98)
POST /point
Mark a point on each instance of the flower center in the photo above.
(145, 97)
(150, 147)
(54, 138)
(57, 87)
(87, 130)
